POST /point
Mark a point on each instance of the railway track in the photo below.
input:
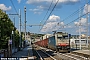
(43, 55)
(47, 54)
(70, 56)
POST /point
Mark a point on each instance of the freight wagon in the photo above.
(42, 43)
(59, 42)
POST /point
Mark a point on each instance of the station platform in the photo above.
(85, 53)
(24, 54)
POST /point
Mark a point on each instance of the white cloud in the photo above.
(53, 18)
(82, 21)
(82, 30)
(3, 7)
(44, 4)
(85, 9)
(76, 23)
(49, 1)
(36, 1)
(52, 24)
(83, 24)
(48, 27)
(19, 1)
(36, 11)
(60, 24)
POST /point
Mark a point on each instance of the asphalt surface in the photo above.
(24, 52)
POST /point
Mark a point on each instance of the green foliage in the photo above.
(6, 28)
(16, 38)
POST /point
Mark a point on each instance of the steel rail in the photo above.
(39, 55)
(49, 55)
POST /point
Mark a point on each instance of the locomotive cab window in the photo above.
(65, 37)
(59, 36)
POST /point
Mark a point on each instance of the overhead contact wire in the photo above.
(50, 13)
(15, 8)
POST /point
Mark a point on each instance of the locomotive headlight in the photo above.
(60, 44)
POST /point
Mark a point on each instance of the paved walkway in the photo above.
(83, 51)
(24, 53)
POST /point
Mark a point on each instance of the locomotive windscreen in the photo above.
(62, 38)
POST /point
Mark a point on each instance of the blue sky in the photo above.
(36, 11)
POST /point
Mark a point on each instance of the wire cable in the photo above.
(78, 17)
(70, 16)
(15, 9)
(50, 13)
(77, 11)
(48, 10)
(14, 6)
(46, 13)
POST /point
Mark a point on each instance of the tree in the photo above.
(6, 28)
(17, 38)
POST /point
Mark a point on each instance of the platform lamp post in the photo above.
(13, 35)
(13, 30)
(87, 17)
(10, 45)
(25, 23)
(25, 20)
(20, 40)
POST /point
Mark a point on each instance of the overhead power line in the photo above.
(48, 10)
(46, 13)
(77, 11)
(70, 16)
(15, 10)
(19, 16)
(78, 17)
(74, 13)
(50, 13)
(14, 6)
(75, 20)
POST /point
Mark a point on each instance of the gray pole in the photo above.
(80, 28)
(20, 28)
(14, 20)
(14, 34)
(25, 20)
(87, 23)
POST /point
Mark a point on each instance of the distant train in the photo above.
(59, 41)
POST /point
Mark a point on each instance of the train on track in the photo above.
(59, 41)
